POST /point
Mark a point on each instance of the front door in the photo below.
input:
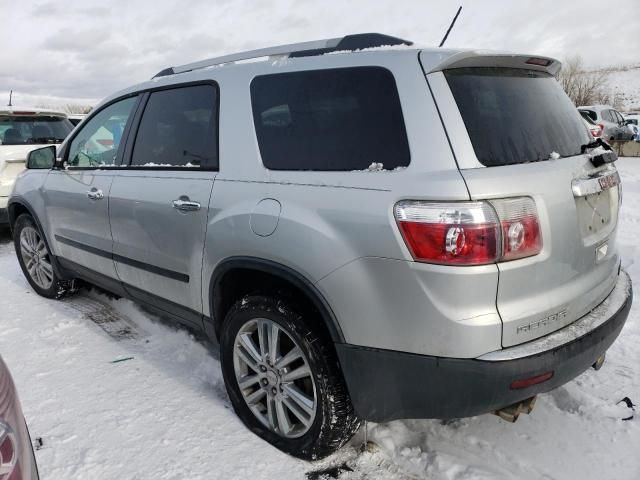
(77, 197)
(159, 205)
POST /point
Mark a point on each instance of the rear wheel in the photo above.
(284, 380)
(35, 258)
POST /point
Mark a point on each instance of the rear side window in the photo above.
(179, 129)
(515, 115)
(619, 118)
(331, 120)
(592, 115)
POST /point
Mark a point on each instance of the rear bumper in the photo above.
(387, 385)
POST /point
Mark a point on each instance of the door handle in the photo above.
(185, 204)
(95, 194)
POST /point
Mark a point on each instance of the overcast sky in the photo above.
(82, 50)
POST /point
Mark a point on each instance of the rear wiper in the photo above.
(598, 142)
(609, 156)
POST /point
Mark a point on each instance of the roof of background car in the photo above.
(6, 110)
(597, 108)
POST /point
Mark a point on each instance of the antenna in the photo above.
(450, 27)
(10, 95)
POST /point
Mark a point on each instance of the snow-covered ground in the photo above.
(624, 82)
(162, 412)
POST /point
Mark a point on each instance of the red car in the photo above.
(17, 461)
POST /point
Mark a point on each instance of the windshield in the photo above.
(516, 115)
(33, 129)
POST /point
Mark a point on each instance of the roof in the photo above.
(353, 42)
(371, 48)
(4, 110)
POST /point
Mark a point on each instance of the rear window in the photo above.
(515, 115)
(587, 117)
(33, 129)
(336, 119)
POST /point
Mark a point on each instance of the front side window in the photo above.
(331, 120)
(179, 129)
(97, 142)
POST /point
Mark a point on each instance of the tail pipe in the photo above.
(512, 412)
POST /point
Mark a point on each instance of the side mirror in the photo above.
(628, 122)
(42, 158)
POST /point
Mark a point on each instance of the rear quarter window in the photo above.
(516, 115)
(329, 120)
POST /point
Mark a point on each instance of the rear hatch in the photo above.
(526, 140)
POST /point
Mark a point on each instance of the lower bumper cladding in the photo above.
(387, 385)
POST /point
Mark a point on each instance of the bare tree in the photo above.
(584, 87)
(70, 108)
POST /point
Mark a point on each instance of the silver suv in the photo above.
(370, 233)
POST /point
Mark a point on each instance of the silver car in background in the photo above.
(370, 233)
(613, 124)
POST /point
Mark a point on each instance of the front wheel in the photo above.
(284, 380)
(35, 259)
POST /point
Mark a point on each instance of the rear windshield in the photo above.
(30, 130)
(591, 114)
(515, 115)
(587, 117)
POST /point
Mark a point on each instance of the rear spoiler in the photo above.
(477, 58)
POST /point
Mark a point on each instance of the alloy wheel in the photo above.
(36, 257)
(274, 378)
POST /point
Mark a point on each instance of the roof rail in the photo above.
(305, 49)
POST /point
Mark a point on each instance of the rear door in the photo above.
(76, 198)
(159, 204)
(525, 139)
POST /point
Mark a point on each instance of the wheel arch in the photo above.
(226, 287)
(19, 206)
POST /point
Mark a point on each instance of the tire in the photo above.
(35, 259)
(302, 434)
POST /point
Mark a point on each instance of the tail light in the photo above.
(16, 457)
(469, 233)
(520, 227)
(601, 126)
